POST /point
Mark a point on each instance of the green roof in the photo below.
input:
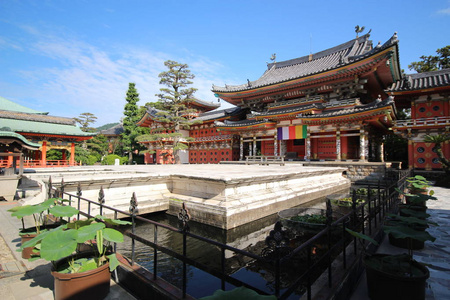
(25, 126)
(6, 104)
(21, 138)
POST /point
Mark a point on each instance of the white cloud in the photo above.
(445, 11)
(84, 78)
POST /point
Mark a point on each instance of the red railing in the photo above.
(35, 163)
(423, 122)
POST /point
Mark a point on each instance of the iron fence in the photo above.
(279, 255)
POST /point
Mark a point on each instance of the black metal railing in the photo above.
(365, 217)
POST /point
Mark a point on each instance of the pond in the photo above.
(250, 237)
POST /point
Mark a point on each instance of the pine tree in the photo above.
(85, 120)
(432, 62)
(130, 129)
(175, 114)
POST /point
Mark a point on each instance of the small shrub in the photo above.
(111, 159)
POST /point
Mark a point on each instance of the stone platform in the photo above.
(224, 196)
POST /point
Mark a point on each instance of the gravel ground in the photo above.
(5, 252)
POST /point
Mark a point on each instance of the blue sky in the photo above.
(73, 56)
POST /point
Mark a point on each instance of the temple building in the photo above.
(427, 95)
(334, 105)
(49, 132)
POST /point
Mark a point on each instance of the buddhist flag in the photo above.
(292, 132)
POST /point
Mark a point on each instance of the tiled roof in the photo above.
(8, 136)
(339, 56)
(318, 106)
(36, 117)
(241, 123)
(8, 105)
(353, 110)
(217, 114)
(287, 110)
(115, 130)
(24, 126)
(206, 103)
(420, 81)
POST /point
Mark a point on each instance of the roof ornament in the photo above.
(248, 83)
(394, 37)
(359, 30)
(273, 58)
(379, 45)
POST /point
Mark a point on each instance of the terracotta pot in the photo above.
(386, 286)
(28, 234)
(404, 243)
(90, 285)
(26, 252)
(409, 202)
(412, 207)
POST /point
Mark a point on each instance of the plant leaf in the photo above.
(63, 211)
(58, 244)
(34, 241)
(113, 221)
(79, 223)
(113, 262)
(403, 232)
(87, 233)
(362, 236)
(112, 235)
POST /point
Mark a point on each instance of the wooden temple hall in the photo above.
(43, 131)
(336, 104)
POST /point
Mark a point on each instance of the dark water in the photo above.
(250, 237)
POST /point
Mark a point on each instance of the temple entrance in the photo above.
(352, 147)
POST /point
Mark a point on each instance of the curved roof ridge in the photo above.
(14, 115)
(423, 80)
(321, 54)
(206, 103)
(9, 105)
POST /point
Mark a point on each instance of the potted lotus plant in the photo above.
(419, 185)
(43, 220)
(397, 276)
(80, 274)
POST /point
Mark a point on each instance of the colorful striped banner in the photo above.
(292, 132)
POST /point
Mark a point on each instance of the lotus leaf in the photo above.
(63, 211)
(58, 244)
(89, 232)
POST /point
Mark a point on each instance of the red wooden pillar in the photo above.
(314, 145)
(344, 147)
(410, 154)
(44, 154)
(72, 155)
(10, 161)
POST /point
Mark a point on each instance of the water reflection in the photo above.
(249, 237)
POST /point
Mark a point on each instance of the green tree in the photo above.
(98, 146)
(174, 111)
(432, 62)
(130, 129)
(85, 120)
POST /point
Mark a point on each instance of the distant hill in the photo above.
(106, 126)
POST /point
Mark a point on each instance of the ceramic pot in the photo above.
(89, 285)
(386, 286)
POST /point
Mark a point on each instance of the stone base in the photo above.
(8, 187)
(224, 196)
(229, 204)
